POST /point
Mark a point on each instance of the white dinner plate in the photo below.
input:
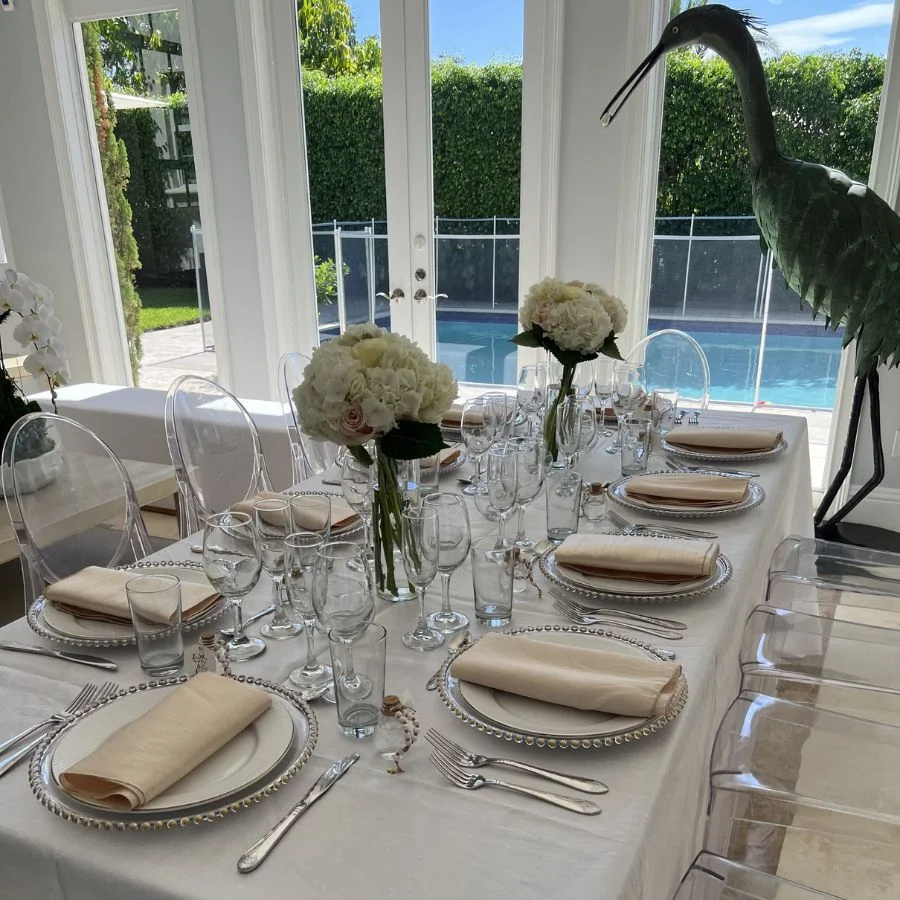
(725, 455)
(246, 758)
(616, 491)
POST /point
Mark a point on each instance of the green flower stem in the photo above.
(565, 390)
(387, 512)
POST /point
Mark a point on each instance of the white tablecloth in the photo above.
(414, 835)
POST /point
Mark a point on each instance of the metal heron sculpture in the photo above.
(835, 240)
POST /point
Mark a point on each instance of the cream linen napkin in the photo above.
(453, 416)
(748, 440)
(99, 594)
(660, 560)
(703, 491)
(447, 456)
(583, 678)
(341, 512)
(140, 760)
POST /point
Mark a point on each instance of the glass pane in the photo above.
(134, 68)
(476, 96)
(709, 276)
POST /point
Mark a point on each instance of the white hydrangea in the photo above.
(581, 324)
(614, 307)
(358, 386)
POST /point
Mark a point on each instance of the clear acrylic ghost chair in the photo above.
(824, 662)
(88, 514)
(674, 361)
(713, 877)
(789, 781)
(215, 449)
(310, 457)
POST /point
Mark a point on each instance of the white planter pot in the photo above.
(34, 474)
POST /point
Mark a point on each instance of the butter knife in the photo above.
(84, 659)
(264, 846)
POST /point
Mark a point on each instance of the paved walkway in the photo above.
(170, 352)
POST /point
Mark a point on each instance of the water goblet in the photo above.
(477, 427)
(421, 551)
(531, 391)
(531, 468)
(504, 413)
(583, 379)
(358, 489)
(502, 478)
(455, 538)
(232, 562)
(271, 518)
(628, 394)
(310, 513)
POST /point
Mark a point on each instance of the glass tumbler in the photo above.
(634, 434)
(563, 500)
(493, 572)
(155, 604)
(358, 711)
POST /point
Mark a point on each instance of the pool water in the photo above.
(800, 364)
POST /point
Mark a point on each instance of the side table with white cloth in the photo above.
(414, 835)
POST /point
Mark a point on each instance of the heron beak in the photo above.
(612, 108)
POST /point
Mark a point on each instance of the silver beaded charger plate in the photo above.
(593, 587)
(352, 530)
(240, 774)
(725, 455)
(65, 628)
(616, 491)
(523, 720)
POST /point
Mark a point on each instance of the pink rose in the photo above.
(353, 422)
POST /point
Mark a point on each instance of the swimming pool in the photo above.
(800, 362)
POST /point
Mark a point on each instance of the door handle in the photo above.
(396, 294)
(421, 295)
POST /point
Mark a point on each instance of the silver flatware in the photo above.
(694, 418)
(458, 642)
(469, 760)
(470, 781)
(608, 622)
(331, 482)
(679, 417)
(658, 621)
(83, 659)
(228, 631)
(264, 846)
(684, 467)
(630, 527)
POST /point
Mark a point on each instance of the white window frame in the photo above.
(6, 254)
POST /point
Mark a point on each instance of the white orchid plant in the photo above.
(38, 332)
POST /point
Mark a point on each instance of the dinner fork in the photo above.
(635, 528)
(607, 622)
(684, 467)
(679, 417)
(694, 418)
(469, 781)
(89, 694)
(454, 753)
(586, 610)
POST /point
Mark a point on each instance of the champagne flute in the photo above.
(502, 478)
(271, 518)
(583, 380)
(421, 550)
(455, 539)
(358, 490)
(603, 387)
(532, 391)
(232, 562)
(477, 428)
(300, 551)
(569, 422)
(504, 413)
(628, 394)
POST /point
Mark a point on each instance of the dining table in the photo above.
(413, 834)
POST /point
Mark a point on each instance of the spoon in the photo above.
(458, 642)
(541, 547)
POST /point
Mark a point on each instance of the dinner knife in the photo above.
(264, 846)
(85, 659)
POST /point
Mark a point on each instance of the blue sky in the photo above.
(480, 31)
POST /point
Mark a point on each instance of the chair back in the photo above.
(215, 449)
(70, 500)
(857, 568)
(674, 361)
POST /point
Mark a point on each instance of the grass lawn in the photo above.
(167, 307)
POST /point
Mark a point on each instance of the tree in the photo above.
(114, 164)
(328, 42)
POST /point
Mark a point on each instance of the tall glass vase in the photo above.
(396, 486)
(551, 415)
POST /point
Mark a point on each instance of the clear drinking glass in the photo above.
(569, 424)
(603, 388)
(359, 661)
(300, 552)
(563, 497)
(493, 572)
(272, 520)
(634, 436)
(504, 409)
(155, 604)
(310, 513)
(583, 380)
(478, 429)
(502, 478)
(532, 465)
(664, 407)
(455, 538)
(421, 550)
(628, 394)
(358, 488)
(232, 562)
(531, 391)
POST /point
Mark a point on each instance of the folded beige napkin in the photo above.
(453, 416)
(583, 678)
(748, 440)
(703, 491)
(660, 560)
(309, 518)
(447, 456)
(140, 760)
(99, 594)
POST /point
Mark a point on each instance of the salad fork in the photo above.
(470, 781)
(604, 621)
(694, 417)
(586, 610)
(635, 528)
(684, 467)
(454, 753)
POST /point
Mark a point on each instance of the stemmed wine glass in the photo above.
(502, 477)
(603, 387)
(504, 412)
(358, 490)
(455, 539)
(583, 380)
(421, 550)
(532, 391)
(478, 429)
(627, 395)
(569, 425)
(271, 518)
(532, 465)
(232, 562)
(343, 601)
(300, 552)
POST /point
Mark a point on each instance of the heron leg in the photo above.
(828, 529)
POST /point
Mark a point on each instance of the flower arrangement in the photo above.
(576, 321)
(376, 392)
(37, 331)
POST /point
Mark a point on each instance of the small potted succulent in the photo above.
(38, 460)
